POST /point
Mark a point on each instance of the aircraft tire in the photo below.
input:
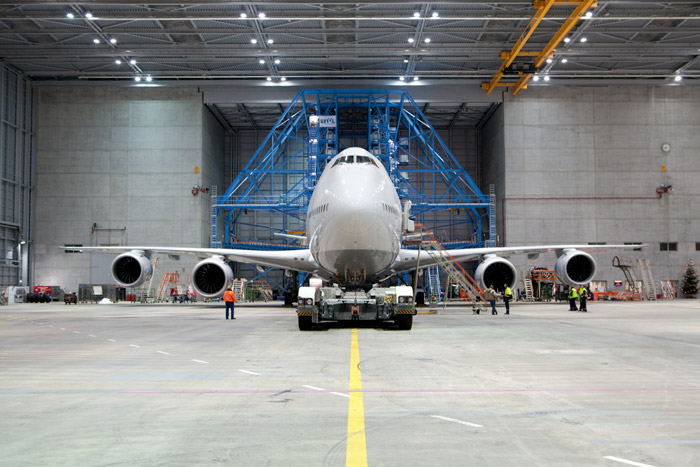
(405, 322)
(304, 323)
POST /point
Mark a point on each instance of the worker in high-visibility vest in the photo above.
(582, 297)
(507, 297)
(229, 299)
(573, 295)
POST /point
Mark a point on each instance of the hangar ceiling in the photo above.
(296, 41)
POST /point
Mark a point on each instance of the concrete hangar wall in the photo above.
(116, 166)
(583, 164)
(123, 158)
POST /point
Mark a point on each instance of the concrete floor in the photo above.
(177, 385)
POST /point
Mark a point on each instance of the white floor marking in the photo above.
(41, 324)
(625, 461)
(340, 394)
(63, 329)
(199, 361)
(77, 332)
(249, 372)
(313, 387)
(457, 421)
(50, 325)
(111, 340)
(164, 353)
(92, 335)
(134, 345)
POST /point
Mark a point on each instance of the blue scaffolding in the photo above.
(317, 124)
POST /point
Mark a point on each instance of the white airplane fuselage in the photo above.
(354, 219)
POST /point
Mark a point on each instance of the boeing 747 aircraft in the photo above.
(354, 228)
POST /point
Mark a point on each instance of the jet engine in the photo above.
(131, 269)
(212, 277)
(496, 271)
(575, 267)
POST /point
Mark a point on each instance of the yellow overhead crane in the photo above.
(542, 7)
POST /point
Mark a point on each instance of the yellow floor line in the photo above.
(356, 455)
(14, 319)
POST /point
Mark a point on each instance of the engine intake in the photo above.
(211, 277)
(575, 267)
(496, 271)
(131, 269)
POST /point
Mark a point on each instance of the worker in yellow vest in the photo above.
(582, 297)
(507, 297)
(229, 299)
(573, 295)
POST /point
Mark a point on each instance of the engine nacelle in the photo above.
(575, 267)
(496, 271)
(131, 269)
(211, 277)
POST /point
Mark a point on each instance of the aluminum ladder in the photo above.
(527, 285)
(434, 292)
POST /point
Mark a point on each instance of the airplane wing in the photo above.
(297, 260)
(408, 259)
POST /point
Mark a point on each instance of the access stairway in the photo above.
(625, 264)
(456, 274)
(647, 278)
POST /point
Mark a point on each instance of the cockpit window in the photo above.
(365, 160)
(355, 160)
(344, 160)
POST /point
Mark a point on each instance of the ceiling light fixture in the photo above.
(415, 78)
(410, 40)
(549, 60)
(567, 40)
(564, 60)
(243, 15)
(589, 14)
(583, 39)
(678, 78)
(261, 15)
(261, 61)
(96, 41)
(401, 78)
(88, 15)
(435, 14)
(416, 14)
(270, 41)
(118, 62)
(137, 78)
(277, 61)
(113, 40)
(149, 78)
(132, 61)
(427, 40)
(269, 78)
(546, 78)
(405, 60)
(70, 15)
(253, 41)
(535, 78)
(283, 79)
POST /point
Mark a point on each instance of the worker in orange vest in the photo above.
(229, 299)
